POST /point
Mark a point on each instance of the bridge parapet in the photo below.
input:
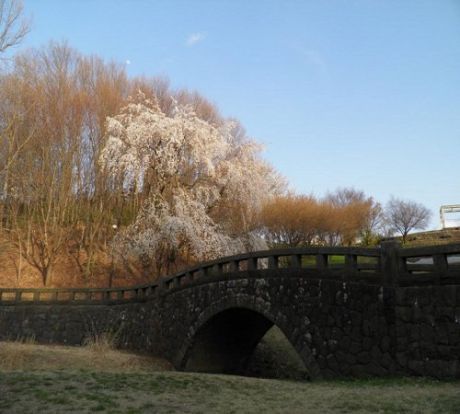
(78, 295)
(346, 311)
(387, 265)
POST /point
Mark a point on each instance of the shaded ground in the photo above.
(173, 392)
(276, 358)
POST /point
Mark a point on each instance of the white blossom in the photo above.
(191, 168)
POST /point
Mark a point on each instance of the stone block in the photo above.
(446, 296)
(376, 370)
(441, 333)
(445, 313)
(355, 347)
(387, 361)
(332, 363)
(453, 332)
(427, 333)
(376, 354)
(345, 343)
(385, 344)
(367, 344)
(416, 367)
(364, 357)
(404, 313)
(350, 359)
(401, 359)
(442, 369)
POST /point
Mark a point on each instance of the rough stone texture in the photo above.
(428, 330)
(332, 325)
(73, 324)
(338, 328)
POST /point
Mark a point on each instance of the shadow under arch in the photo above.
(225, 337)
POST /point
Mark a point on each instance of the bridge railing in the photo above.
(79, 295)
(387, 265)
(434, 265)
(322, 261)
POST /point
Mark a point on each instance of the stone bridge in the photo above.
(380, 311)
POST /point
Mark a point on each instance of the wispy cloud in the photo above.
(195, 38)
(313, 57)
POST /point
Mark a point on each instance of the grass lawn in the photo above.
(174, 392)
(58, 379)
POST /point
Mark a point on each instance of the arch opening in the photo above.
(230, 343)
(275, 357)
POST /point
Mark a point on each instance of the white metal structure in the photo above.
(453, 208)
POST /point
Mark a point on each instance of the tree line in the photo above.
(131, 176)
(89, 156)
(346, 217)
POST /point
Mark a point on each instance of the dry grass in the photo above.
(57, 379)
(102, 343)
(98, 355)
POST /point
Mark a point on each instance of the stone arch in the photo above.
(225, 334)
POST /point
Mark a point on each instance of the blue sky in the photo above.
(361, 93)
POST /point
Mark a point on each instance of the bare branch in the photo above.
(404, 216)
(13, 27)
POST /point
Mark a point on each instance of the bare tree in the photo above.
(404, 216)
(373, 225)
(349, 217)
(291, 220)
(53, 103)
(13, 27)
(342, 197)
(58, 202)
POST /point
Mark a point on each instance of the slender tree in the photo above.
(13, 26)
(404, 216)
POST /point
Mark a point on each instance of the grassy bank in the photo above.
(96, 378)
(173, 392)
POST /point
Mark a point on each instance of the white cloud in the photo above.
(310, 56)
(128, 62)
(194, 38)
(314, 57)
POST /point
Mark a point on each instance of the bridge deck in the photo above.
(387, 265)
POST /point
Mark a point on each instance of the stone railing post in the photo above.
(441, 266)
(273, 262)
(390, 262)
(252, 263)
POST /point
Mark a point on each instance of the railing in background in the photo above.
(387, 265)
(331, 262)
(433, 265)
(77, 295)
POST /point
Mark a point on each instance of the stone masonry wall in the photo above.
(134, 324)
(338, 329)
(428, 330)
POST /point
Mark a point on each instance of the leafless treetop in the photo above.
(405, 216)
(13, 26)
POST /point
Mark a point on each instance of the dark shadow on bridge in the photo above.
(227, 343)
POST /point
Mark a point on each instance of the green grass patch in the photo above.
(174, 392)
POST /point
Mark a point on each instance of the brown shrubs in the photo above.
(298, 220)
